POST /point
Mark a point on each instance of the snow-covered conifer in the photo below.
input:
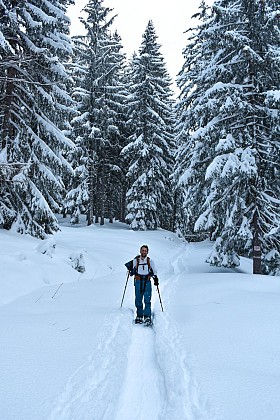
(97, 69)
(35, 105)
(149, 198)
(189, 171)
(229, 118)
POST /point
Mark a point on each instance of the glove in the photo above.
(156, 280)
(132, 272)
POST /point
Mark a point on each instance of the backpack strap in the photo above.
(137, 262)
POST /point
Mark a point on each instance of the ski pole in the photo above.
(160, 299)
(57, 290)
(125, 288)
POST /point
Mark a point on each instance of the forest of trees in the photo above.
(86, 131)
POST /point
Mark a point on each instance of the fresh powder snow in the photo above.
(69, 352)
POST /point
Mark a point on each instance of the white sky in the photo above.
(170, 19)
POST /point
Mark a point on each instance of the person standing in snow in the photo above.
(143, 268)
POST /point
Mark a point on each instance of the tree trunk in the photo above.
(123, 204)
(102, 197)
(91, 191)
(256, 247)
(7, 105)
(97, 201)
(174, 213)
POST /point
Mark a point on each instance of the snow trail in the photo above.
(181, 399)
(141, 397)
(92, 392)
(136, 372)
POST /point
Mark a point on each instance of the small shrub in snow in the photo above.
(78, 261)
(47, 247)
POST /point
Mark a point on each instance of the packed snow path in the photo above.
(137, 372)
(130, 379)
(140, 396)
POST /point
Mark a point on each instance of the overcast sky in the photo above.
(170, 18)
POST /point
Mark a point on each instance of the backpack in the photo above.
(137, 276)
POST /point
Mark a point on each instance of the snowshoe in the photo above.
(138, 320)
(148, 322)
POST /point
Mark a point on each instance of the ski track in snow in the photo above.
(140, 397)
(180, 397)
(136, 372)
(92, 391)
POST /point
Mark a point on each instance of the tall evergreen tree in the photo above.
(189, 171)
(149, 198)
(34, 43)
(229, 117)
(97, 70)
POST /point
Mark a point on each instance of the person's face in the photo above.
(143, 252)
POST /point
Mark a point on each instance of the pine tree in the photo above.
(34, 43)
(97, 70)
(231, 123)
(149, 198)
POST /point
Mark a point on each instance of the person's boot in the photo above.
(138, 320)
(147, 321)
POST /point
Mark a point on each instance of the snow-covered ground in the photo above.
(69, 352)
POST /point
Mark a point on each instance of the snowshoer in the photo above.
(143, 268)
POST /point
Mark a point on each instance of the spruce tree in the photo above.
(97, 69)
(148, 155)
(191, 153)
(34, 109)
(230, 120)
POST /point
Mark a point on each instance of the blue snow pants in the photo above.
(143, 291)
